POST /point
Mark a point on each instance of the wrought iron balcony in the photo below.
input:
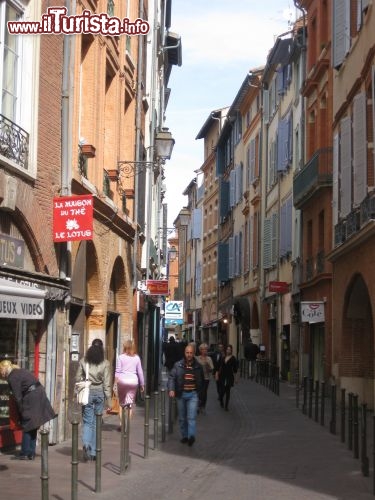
(317, 173)
(14, 142)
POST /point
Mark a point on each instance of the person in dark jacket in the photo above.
(227, 370)
(217, 359)
(185, 382)
(172, 353)
(32, 403)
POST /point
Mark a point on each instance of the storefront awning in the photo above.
(21, 302)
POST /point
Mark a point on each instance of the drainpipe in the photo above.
(138, 121)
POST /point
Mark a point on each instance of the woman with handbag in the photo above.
(32, 404)
(227, 370)
(128, 376)
(99, 374)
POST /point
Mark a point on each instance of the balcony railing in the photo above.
(14, 142)
(317, 173)
(355, 220)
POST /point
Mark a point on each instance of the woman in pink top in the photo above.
(128, 375)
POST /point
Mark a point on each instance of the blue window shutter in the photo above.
(231, 257)
(290, 139)
(220, 160)
(283, 145)
(224, 198)
(197, 224)
(280, 81)
(289, 225)
(267, 243)
(240, 253)
(341, 31)
(223, 262)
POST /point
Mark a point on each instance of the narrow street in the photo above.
(262, 448)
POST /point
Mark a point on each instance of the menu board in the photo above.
(4, 403)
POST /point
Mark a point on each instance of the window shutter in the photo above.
(220, 160)
(345, 167)
(290, 139)
(239, 183)
(266, 106)
(231, 257)
(251, 243)
(335, 180)
(252, 160)
(236, 255)
(197, 224)
(289, 225)
(223, 262)
(282, 145)
(224, 199)
(240, 253)
(282, 249)
(341, 31)
(267, 243)
(359, 149)
(274, 239)
(280, 81)
(232, 187)
(246, 248)
(198, 278)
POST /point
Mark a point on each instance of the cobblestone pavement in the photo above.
(262, 448)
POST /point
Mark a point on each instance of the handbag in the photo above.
(82, 389)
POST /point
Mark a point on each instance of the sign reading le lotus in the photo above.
(73, 218)
(312, 312)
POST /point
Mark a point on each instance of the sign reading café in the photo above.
(73, 218)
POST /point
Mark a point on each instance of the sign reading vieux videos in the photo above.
(72, 218)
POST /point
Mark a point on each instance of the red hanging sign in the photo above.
(278, 286)
(73, 218)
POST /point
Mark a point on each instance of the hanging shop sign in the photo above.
(12, 251)
(174, 310)
(73, 218)
(157, 287)
(278, 286)
(312, 312)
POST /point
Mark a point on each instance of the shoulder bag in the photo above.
(82, 389)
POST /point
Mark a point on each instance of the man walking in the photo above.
(185, 381)
(217, 360)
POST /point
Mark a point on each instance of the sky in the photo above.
(221, 41)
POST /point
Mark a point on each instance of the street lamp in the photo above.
(164, 144)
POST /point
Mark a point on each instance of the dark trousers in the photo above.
(225, 392)
(28, 445)
(203, 394)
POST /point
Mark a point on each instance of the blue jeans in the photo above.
(187, 406)
(89, 412)
(29, 443)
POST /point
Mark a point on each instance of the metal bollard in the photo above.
(125, 435)
(350, 420)
(74, 462)
(163, 415)
(304, 405)
(98, 463)
(146, 425)
(297, 388)
(44, 466)
(332, 426)
(156, 420)
(342, 416)
(316, 400)
(364, 458)
(170, 415)
(322, 402)
(355, 427)
(311, 393)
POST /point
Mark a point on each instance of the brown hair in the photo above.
(129, 347)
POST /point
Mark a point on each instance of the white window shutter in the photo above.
(267, 243)
(335, 180)
(266, 106)
(232, 188)
(341, 31)
(345, 167)
(359, 149)
(275, 220)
